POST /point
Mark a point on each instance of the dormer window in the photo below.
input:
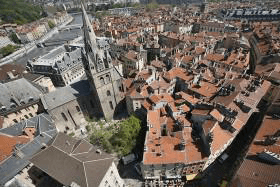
(13, 105)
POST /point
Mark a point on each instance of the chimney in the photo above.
(98, 151)
(10, 75)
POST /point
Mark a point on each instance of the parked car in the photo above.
(223, 157)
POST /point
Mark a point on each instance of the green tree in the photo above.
(19, 11)
(5, 51)
(14, 38)
(120, 137)
(118, 5)
(125, 140)
(51, 24)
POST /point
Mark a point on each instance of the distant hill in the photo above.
(18, 11)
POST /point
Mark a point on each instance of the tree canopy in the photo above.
(19, 11)
(5, 51)
(120, 137)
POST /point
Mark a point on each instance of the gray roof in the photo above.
(66, 94)
(59, 59)
(69, 60)
(17, 92)
(81, 88)
(69, 160)
(58, 97)
(14, 164)
(54, 53)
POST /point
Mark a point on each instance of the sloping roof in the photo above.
(58, 97)
(17, 92)
(14, 163)
(269, 128)
(217, 115)
(256, 174)
(69, 160)
(7, 144)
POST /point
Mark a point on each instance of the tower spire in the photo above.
(89, 34)
(103, 77)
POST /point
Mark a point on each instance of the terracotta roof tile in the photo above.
(205, 89)
(7, 144)
(215, 57)
(217, 115)
(269, 127)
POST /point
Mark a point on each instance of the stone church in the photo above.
(104, 78)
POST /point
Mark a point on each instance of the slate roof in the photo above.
(45, 132)
(60, 59)
(69, 160)
(58, 97)
(16, 93)
(66, 94)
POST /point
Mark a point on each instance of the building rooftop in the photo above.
(164, 145)
(256, 174)
(25, 139)
(17, 93)
(70, 160)
(266, 138)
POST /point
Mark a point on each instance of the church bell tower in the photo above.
(104, 78)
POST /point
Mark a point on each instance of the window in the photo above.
(16, 121)
(108, 93)
(30, 115)
(102, 80)
(78, 108)
(107, 78)
(26, 116)
(111, 105)
(64, 116)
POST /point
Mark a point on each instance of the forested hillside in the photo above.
(18, 11)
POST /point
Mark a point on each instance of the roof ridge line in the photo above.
(66, 153)
(72, 150)
(85, 173)
(99, 159)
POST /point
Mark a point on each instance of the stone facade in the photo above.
(104, 78)
(19, 100)
(69, 106)
(63, 65)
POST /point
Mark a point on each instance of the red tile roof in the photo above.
(162, 149)
(269, 127)
(7, 144)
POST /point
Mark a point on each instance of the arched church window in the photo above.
(107, 78)
(108, 93)
(99, 61)
(102, 81)
(111, 105)
(64, 116)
